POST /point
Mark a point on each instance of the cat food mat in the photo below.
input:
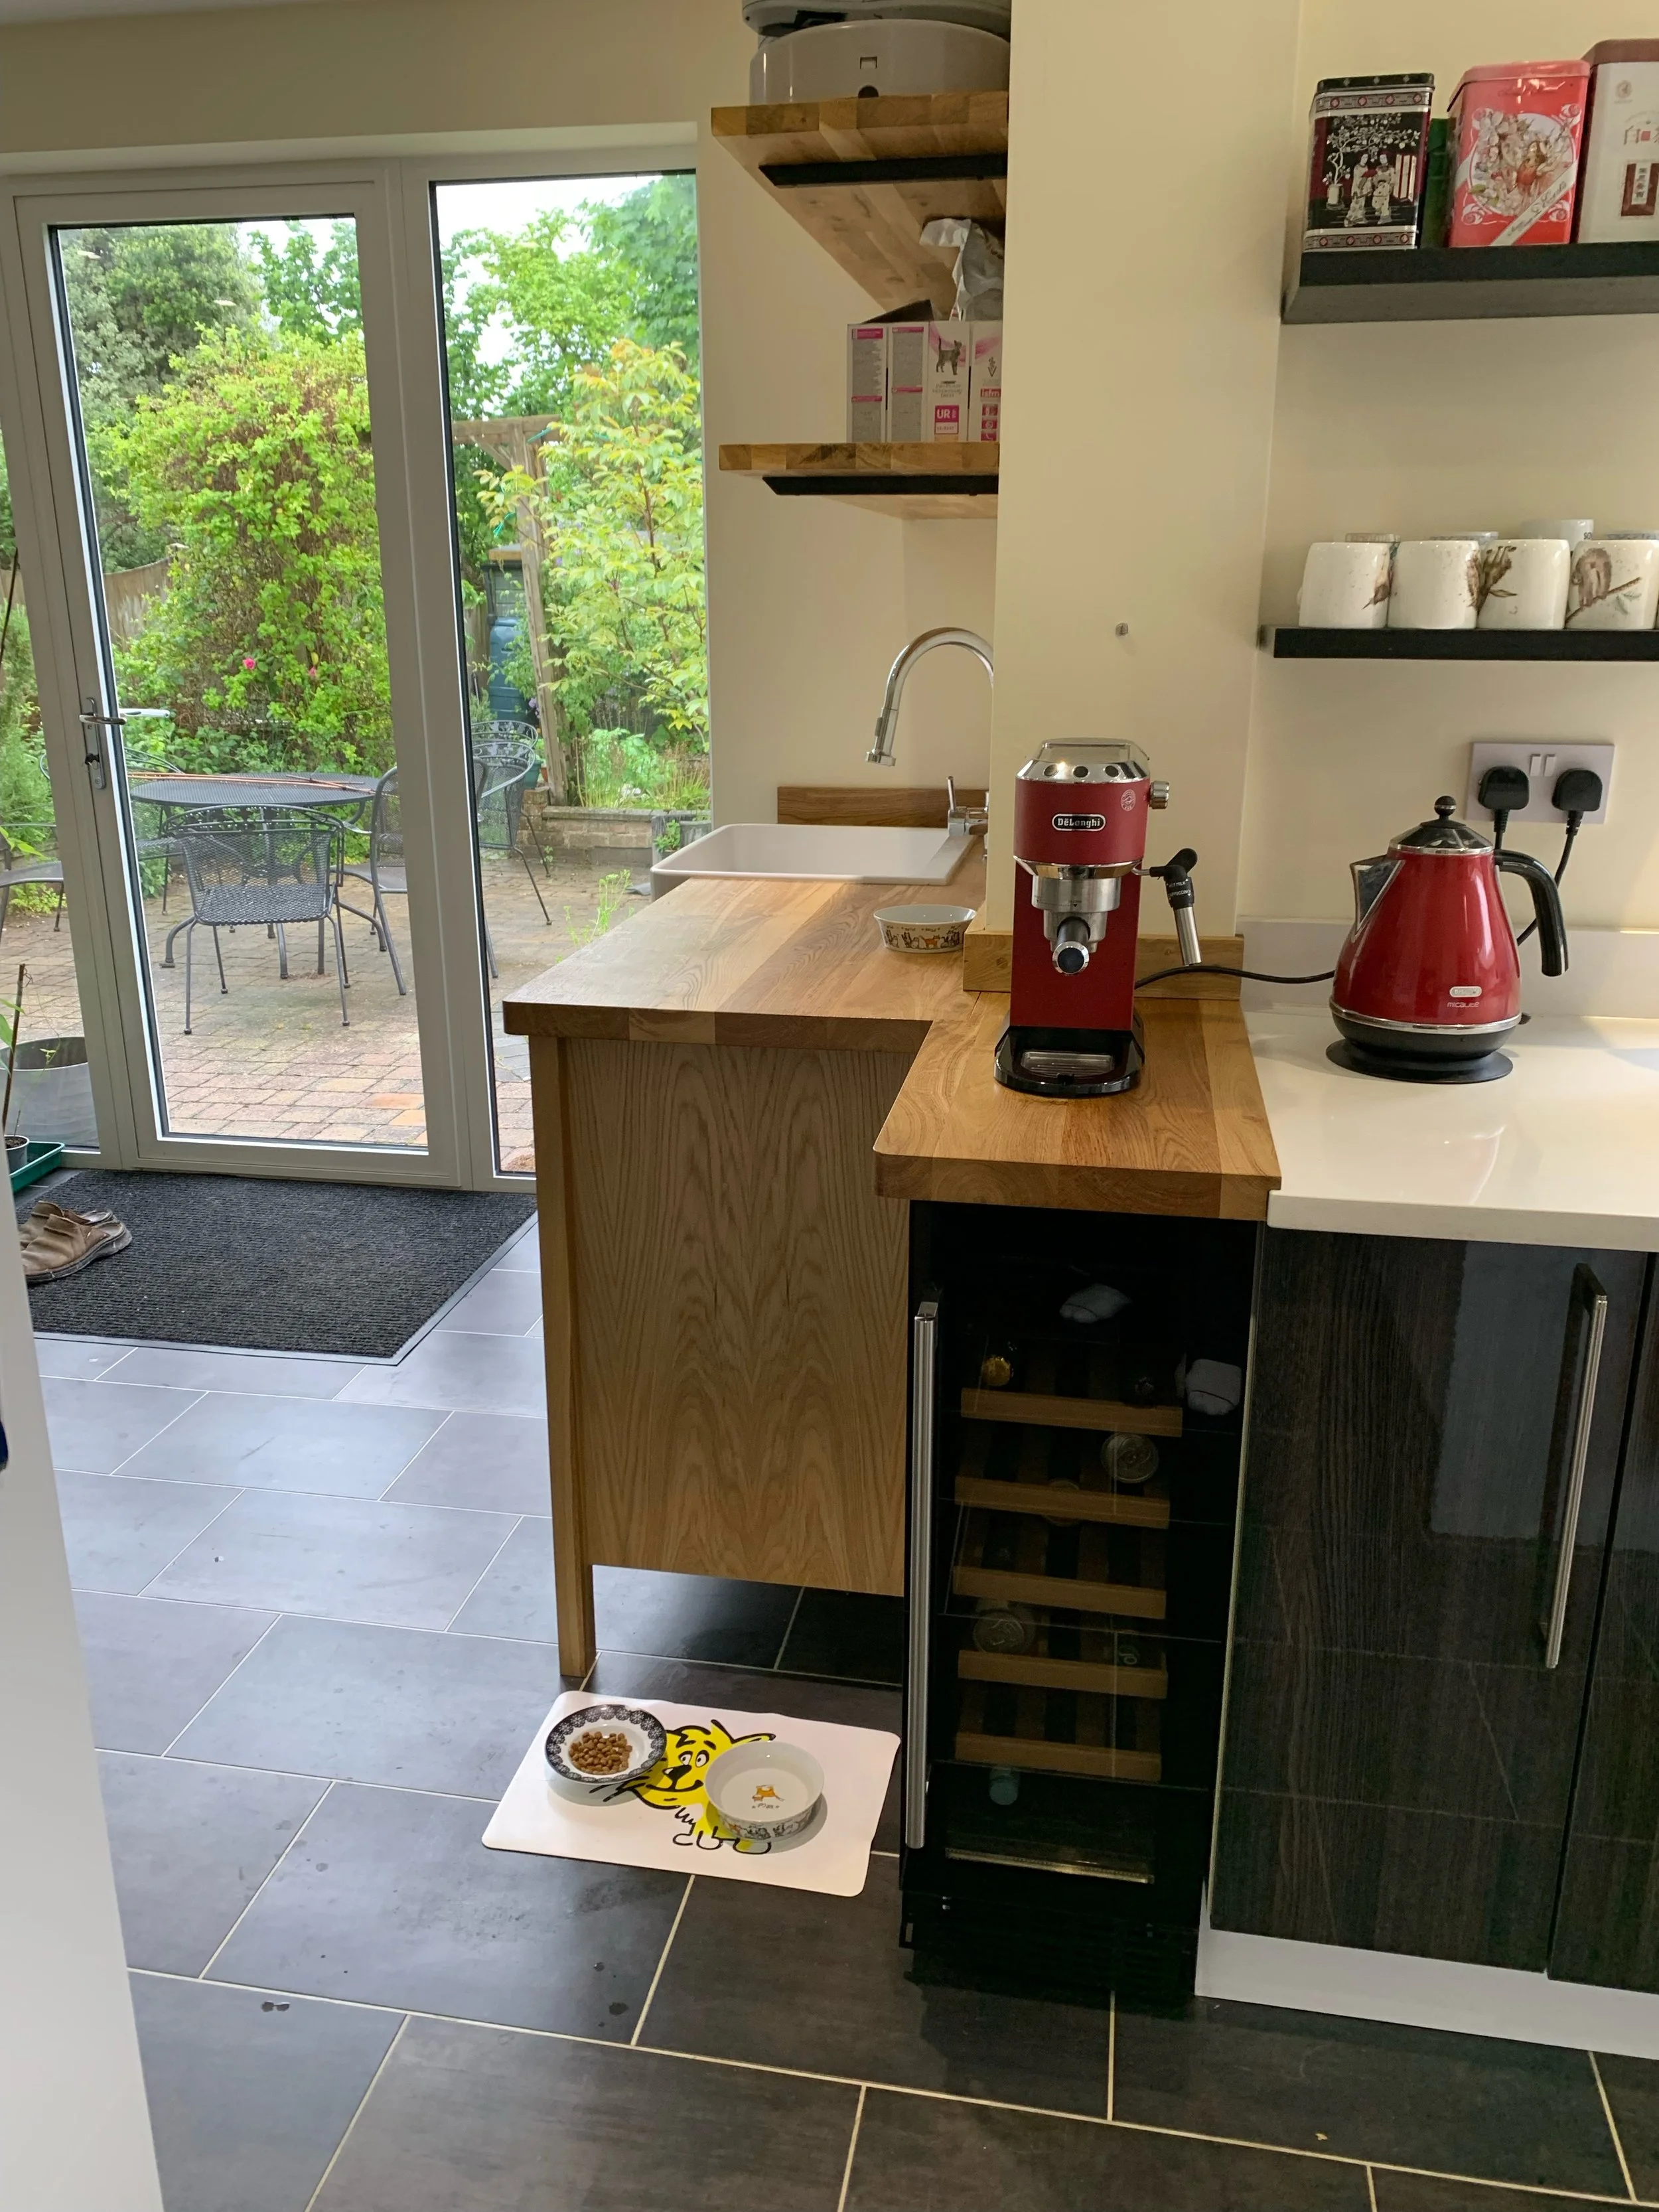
(665, 1820)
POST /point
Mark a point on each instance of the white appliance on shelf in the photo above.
(871, 46)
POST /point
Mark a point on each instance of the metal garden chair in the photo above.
(275, 869)
(21, 861)
(505, 763)
(385, 870)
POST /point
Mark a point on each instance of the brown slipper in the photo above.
(56, 1243)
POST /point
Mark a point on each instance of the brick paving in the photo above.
(270, 1059)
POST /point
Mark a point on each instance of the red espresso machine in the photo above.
(1080, 810)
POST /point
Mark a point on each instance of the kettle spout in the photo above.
(1371, 879)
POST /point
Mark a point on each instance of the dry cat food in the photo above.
(600, 1751)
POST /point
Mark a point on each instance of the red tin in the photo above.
(1518, 126)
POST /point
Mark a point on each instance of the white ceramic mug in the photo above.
(1523, 583)
(1345, 587)
(1435, 583)
(1615, 583)
(1574, 529)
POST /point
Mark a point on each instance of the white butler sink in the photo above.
(801, 852)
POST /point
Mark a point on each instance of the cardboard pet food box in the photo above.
(866, 383)
(985, 386)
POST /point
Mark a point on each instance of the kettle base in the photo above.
(1409, 1068)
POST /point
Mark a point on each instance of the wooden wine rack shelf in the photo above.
(1023, 1481)
(1040, 1404)
(1099, 1585)
(1097, 1670)
(1099, 1737)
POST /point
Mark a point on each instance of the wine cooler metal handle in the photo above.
(1578, 1459)
(924, 1369)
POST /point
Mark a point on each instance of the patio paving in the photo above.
(272, 1058)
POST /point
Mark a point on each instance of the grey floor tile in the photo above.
(507, 1302)
(96, 1427)
(191, 1844)
(515, 1597)
(119, 1534)
(1454, 2103)
(345, 1557)
(522, 1256)
(466, 2119)
(918, 2153)
(74, 1357)
(265, 1374)
(249, 2093)
(856, 1704)
(1419, 2192)
(288, 1443)
(459, 1374)
(723, 1623)
(1632, 2087)
(494, 1462)
(391, 1706)
(391, 1898)
(847, 1632)
(151, 1666)
(786, 1977)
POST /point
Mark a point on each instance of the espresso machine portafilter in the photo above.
(1080, 811)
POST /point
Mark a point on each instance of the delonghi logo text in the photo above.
(1080, 821)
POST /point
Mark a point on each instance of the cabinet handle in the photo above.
(1577, 1461)
(924, 1363)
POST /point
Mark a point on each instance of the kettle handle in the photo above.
(1545, 905)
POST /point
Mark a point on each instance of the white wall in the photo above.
(809, 602)
(74, 2129)
(1435, 427)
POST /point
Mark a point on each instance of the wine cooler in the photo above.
(1076, 1387)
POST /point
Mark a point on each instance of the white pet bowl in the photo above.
(923, 928)
(766, 1790)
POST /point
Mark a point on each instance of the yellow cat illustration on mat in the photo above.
(675, 1784)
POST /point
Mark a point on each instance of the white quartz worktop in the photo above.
(1563, 1151)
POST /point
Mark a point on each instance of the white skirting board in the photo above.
(1269, 1970)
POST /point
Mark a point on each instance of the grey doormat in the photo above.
(271, 1267)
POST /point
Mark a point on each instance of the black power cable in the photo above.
(1578, 793)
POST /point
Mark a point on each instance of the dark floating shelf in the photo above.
(1435, 283)
(1296, 644)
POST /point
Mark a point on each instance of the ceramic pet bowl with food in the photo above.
(596, 1751)
(923, 928)
(766, 1790)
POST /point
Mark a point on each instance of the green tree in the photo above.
(617, 494)
(651, 240)
(310, 292)
(140, 296)
(255, 467)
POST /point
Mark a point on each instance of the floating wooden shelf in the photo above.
(1082, 1569)
(1099, 1670)
(1034, 1729)
(1288, 643)
(918, 483)
(1006, 1472)
(1438, 283)
(862, 176)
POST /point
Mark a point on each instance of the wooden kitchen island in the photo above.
(732, 1092)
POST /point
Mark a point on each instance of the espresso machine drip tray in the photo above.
(1065, 1063)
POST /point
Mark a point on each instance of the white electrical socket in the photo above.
(1542, 760)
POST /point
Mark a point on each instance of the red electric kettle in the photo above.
(1429, 981)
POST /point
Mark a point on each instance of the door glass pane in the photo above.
(570, 326)
(222, 407)
(51, 1088)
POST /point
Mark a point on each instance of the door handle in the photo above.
(1578, 1459)
(924, 1370)
(93, 725)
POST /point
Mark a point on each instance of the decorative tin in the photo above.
(1368, 164)
(1618, 191)
(1518, 126)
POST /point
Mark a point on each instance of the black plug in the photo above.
(1503, 792)
(1578, 793)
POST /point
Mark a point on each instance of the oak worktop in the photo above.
(760, 962)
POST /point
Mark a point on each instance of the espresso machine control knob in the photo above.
(1158, 794)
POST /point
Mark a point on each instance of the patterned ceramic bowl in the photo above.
(766, 1790)
(923, 928)
(581, 1738)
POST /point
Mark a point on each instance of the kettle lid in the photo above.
(1443, 835)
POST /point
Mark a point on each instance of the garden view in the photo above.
(224, 408)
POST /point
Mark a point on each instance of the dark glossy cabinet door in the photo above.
(1608, 1922)
(1400, 1756)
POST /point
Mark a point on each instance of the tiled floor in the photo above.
(316, 1608)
